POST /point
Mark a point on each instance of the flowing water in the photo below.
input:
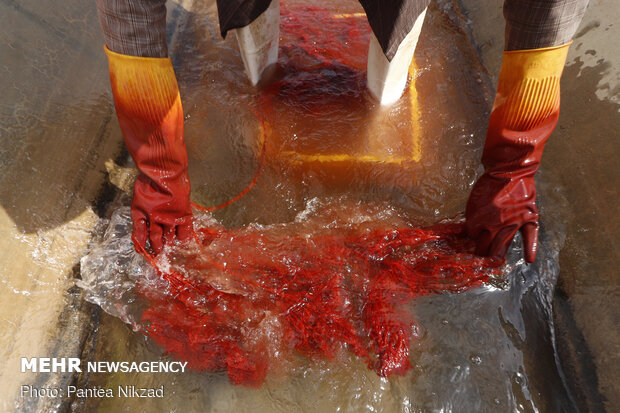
(326, 156)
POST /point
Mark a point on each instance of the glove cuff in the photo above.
(526, 106)
(149, 110)
(143, 86)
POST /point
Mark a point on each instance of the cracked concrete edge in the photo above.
(76, 322)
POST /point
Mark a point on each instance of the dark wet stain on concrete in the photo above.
(585, 29)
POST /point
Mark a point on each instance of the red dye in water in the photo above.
(246, 300)
(323, 36)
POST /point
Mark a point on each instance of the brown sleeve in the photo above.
(534, 24)
(134, 27)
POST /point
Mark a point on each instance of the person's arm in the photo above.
(150, 114)
(525, 112)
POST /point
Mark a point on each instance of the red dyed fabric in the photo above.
(244, 300)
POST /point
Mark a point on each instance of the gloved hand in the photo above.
(148, 106)
(525, 112)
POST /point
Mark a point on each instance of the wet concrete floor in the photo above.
(61, 149)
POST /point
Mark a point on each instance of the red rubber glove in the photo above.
(525, 112)
(148, 106)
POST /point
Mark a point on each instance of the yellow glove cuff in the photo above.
(144, 87)
(529, 86)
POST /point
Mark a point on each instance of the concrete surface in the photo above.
(581, 172)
